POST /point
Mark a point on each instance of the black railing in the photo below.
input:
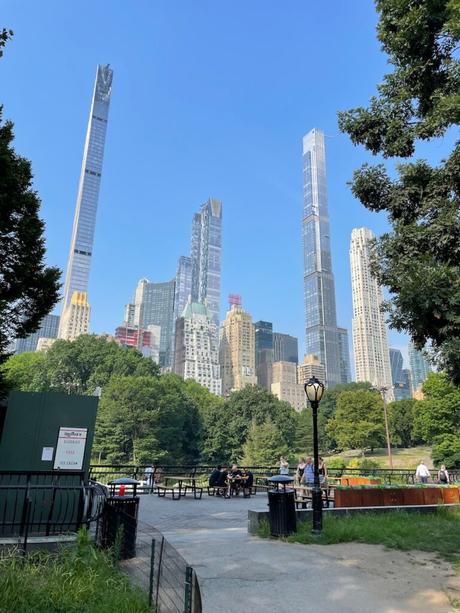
(46, 503)
(151, 474)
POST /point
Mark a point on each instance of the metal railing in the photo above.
(46, 503)
(105, 473)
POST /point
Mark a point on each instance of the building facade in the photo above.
(147, 341)
(183, 285)
(344, 354)
(370, 341)
(402, 386)
(75, 317)
(196, 355)
(154, 305)
(285, 387)
(206, 257)
(48, 329)
(321, 336)
(263, 335)
(237, 350)
(285, 348)
(81, 245)
(419, 365)
(310, 367)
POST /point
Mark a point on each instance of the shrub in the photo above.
(336, 463)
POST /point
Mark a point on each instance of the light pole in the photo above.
(383, 391)
(314, 391)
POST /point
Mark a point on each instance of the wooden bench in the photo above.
(303, 496)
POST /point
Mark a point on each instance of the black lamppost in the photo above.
(314, 390)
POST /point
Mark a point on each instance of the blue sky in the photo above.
(209, 98)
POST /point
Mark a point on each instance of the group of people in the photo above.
(305, 472)
(423, 474)
(231, 482)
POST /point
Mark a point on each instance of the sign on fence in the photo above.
(70, 448)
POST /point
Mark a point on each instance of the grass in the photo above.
(77, 578)
(402, 458)
(434, 532)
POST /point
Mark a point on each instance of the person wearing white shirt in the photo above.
(422, 472)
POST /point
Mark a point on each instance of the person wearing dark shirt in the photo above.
(214, 478)
(248, 481)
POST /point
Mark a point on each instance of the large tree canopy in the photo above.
(28, 289)
(419, 260)
(77, 367)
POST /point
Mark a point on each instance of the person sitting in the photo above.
(215, 476)
(247, 481)
(443, 475)
(234, 481)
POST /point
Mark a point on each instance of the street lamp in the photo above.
(314, 390)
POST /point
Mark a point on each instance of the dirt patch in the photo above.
(421, 581)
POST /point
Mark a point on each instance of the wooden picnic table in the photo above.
(184, 483)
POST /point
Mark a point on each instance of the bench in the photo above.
(303, 496)
(162, 490)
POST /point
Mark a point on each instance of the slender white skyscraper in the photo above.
(370, 340)
(81, 246)
(322, 337)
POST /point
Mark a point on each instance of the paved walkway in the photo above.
(238, 572)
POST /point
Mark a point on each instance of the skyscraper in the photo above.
(285, 348)
(75, 317)
(419, 366)
(311, 367)
(370, 342)
(145, 341)
(81, 245)
(48, 329)
(206, 256)
(319, 288)
(183, 285)
(196, 355)
(154, 304)
(344, 355)
(237, 350)
(264, 352)
(396, 363)
(285, 386)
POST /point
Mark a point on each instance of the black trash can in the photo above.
(281, 506)
(119, 519)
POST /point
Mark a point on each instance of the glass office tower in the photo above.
(48, 329)
(321, 334)
(264, 352)
(206, 256)
(285, 348)
(81, 246)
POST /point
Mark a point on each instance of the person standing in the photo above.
(284, 466)
(299, 471)
(322, 470)
(422, 473)
(308, 473)
(443, 475)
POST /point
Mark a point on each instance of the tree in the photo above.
(358, 421)
(28, 289)
(438, 418)
(401, 416)
(145, 419)
(419, 260)
(20, 371)
(82, 365)
(264, 445)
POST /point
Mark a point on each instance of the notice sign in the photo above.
(47, 454)
(70, 448)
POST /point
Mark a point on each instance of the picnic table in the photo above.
(303, 495)
(179, 486)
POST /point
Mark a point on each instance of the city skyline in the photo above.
(241, 143)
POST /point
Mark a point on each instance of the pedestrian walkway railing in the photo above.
(155, 473)
(46, 503)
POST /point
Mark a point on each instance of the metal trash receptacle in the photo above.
(119, 525)
(281, 506)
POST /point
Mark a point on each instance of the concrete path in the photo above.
(238, 572)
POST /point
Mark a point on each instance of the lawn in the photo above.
(402, 458)
(78, 578)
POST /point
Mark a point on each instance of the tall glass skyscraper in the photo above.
(81, 246)
(321, 334)
(206, 256)
(264, 352)
(48, 329)
(419, 366)
(183, 285)
(285, 348)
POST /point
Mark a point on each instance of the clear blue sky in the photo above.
(209, 98)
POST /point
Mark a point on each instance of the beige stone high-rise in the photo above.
(285, 386)
(370, 340)
(75, 317)
(237, 351)
(311, 367)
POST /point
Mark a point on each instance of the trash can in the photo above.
(119, 519)
(281, 506)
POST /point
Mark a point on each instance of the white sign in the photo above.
(70, 448)
(47, 454)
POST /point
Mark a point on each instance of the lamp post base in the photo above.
(317, 504)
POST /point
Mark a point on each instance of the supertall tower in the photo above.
(321, 334)
(81, 246)
(370, 340)
(206, 256)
